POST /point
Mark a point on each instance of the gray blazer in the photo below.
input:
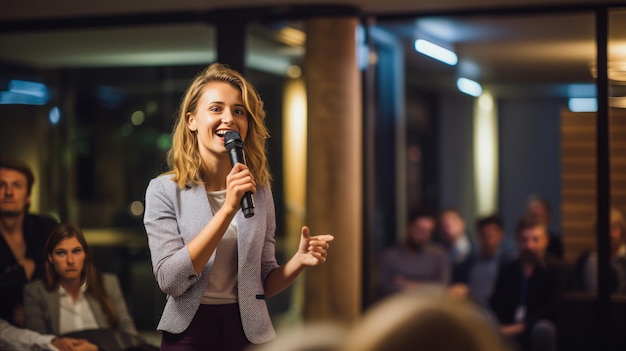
(173, 217)
(41, 307)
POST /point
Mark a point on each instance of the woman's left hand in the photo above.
(313, 249)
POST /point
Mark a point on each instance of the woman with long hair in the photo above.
(216, 264)
(74, 295)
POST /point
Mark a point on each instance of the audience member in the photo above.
(13, 338)
(457, 243)
(23, 238)
(618, 257)
(539, 207)
(423, 320)
(416, 262)
(527, 290)
(484, 267)
(74, 295)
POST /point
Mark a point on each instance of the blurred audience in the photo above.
(416, 262)
(457, 243)
(74, 295)
(23, 238)
(618, 257)
(527, 290)
(539, 207)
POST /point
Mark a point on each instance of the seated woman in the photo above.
(74, 296)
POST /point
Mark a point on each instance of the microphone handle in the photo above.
(247, 202)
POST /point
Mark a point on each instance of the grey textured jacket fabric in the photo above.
(42, 307)
(173, 217)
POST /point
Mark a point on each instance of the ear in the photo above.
(49, 258)
(191, 122)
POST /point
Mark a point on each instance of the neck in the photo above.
(528, 269)
(72, 286)
(489, 253)
(214, 173)
(11, 225)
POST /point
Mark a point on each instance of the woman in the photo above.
(73, 295)
(215, 265)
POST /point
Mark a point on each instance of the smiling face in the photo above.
(220, 109)
(14, 192)
(68, 259)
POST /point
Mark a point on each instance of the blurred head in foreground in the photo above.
(423, 320)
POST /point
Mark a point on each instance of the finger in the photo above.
(306, 234)
(321, 243)
(323, 237)
(238, 167)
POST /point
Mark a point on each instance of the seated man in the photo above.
(416, 262)
(484, 268)
(539, 207)
(457, 243)
(527, 290)
(22, 238)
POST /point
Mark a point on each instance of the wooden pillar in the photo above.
(334, 167)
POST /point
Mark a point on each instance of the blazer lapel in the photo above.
(54, 301)
(195, 211)
(98, 313)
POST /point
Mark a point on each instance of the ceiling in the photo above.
(501, 43)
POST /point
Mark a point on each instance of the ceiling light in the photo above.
(435, 51)
(583, 104)
(469, 87)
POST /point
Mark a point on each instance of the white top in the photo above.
(18, 339)
(77, 315)
(460, 250)
(222, 286)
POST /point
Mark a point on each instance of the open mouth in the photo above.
(221, 132)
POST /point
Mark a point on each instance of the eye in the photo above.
(240, 112)
(77, 251)
(60, 253)
(215, 109)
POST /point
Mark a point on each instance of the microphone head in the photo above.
(232, 139)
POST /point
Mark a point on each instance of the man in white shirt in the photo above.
(457, 242)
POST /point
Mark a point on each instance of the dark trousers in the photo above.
(214, 327)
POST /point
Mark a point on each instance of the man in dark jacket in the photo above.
(22, 240)
(527, 290)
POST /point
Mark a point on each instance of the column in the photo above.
(334, 167)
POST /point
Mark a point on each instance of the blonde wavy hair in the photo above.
(184, 159)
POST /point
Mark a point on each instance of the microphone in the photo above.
(234, 146)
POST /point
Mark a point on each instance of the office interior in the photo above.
(88, 99)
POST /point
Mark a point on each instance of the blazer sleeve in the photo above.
(268, 257)
(125, 321)
(36, 311)
(171, 262)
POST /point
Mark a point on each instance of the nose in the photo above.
(227, 117)
(70, 259)
(8, 192)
